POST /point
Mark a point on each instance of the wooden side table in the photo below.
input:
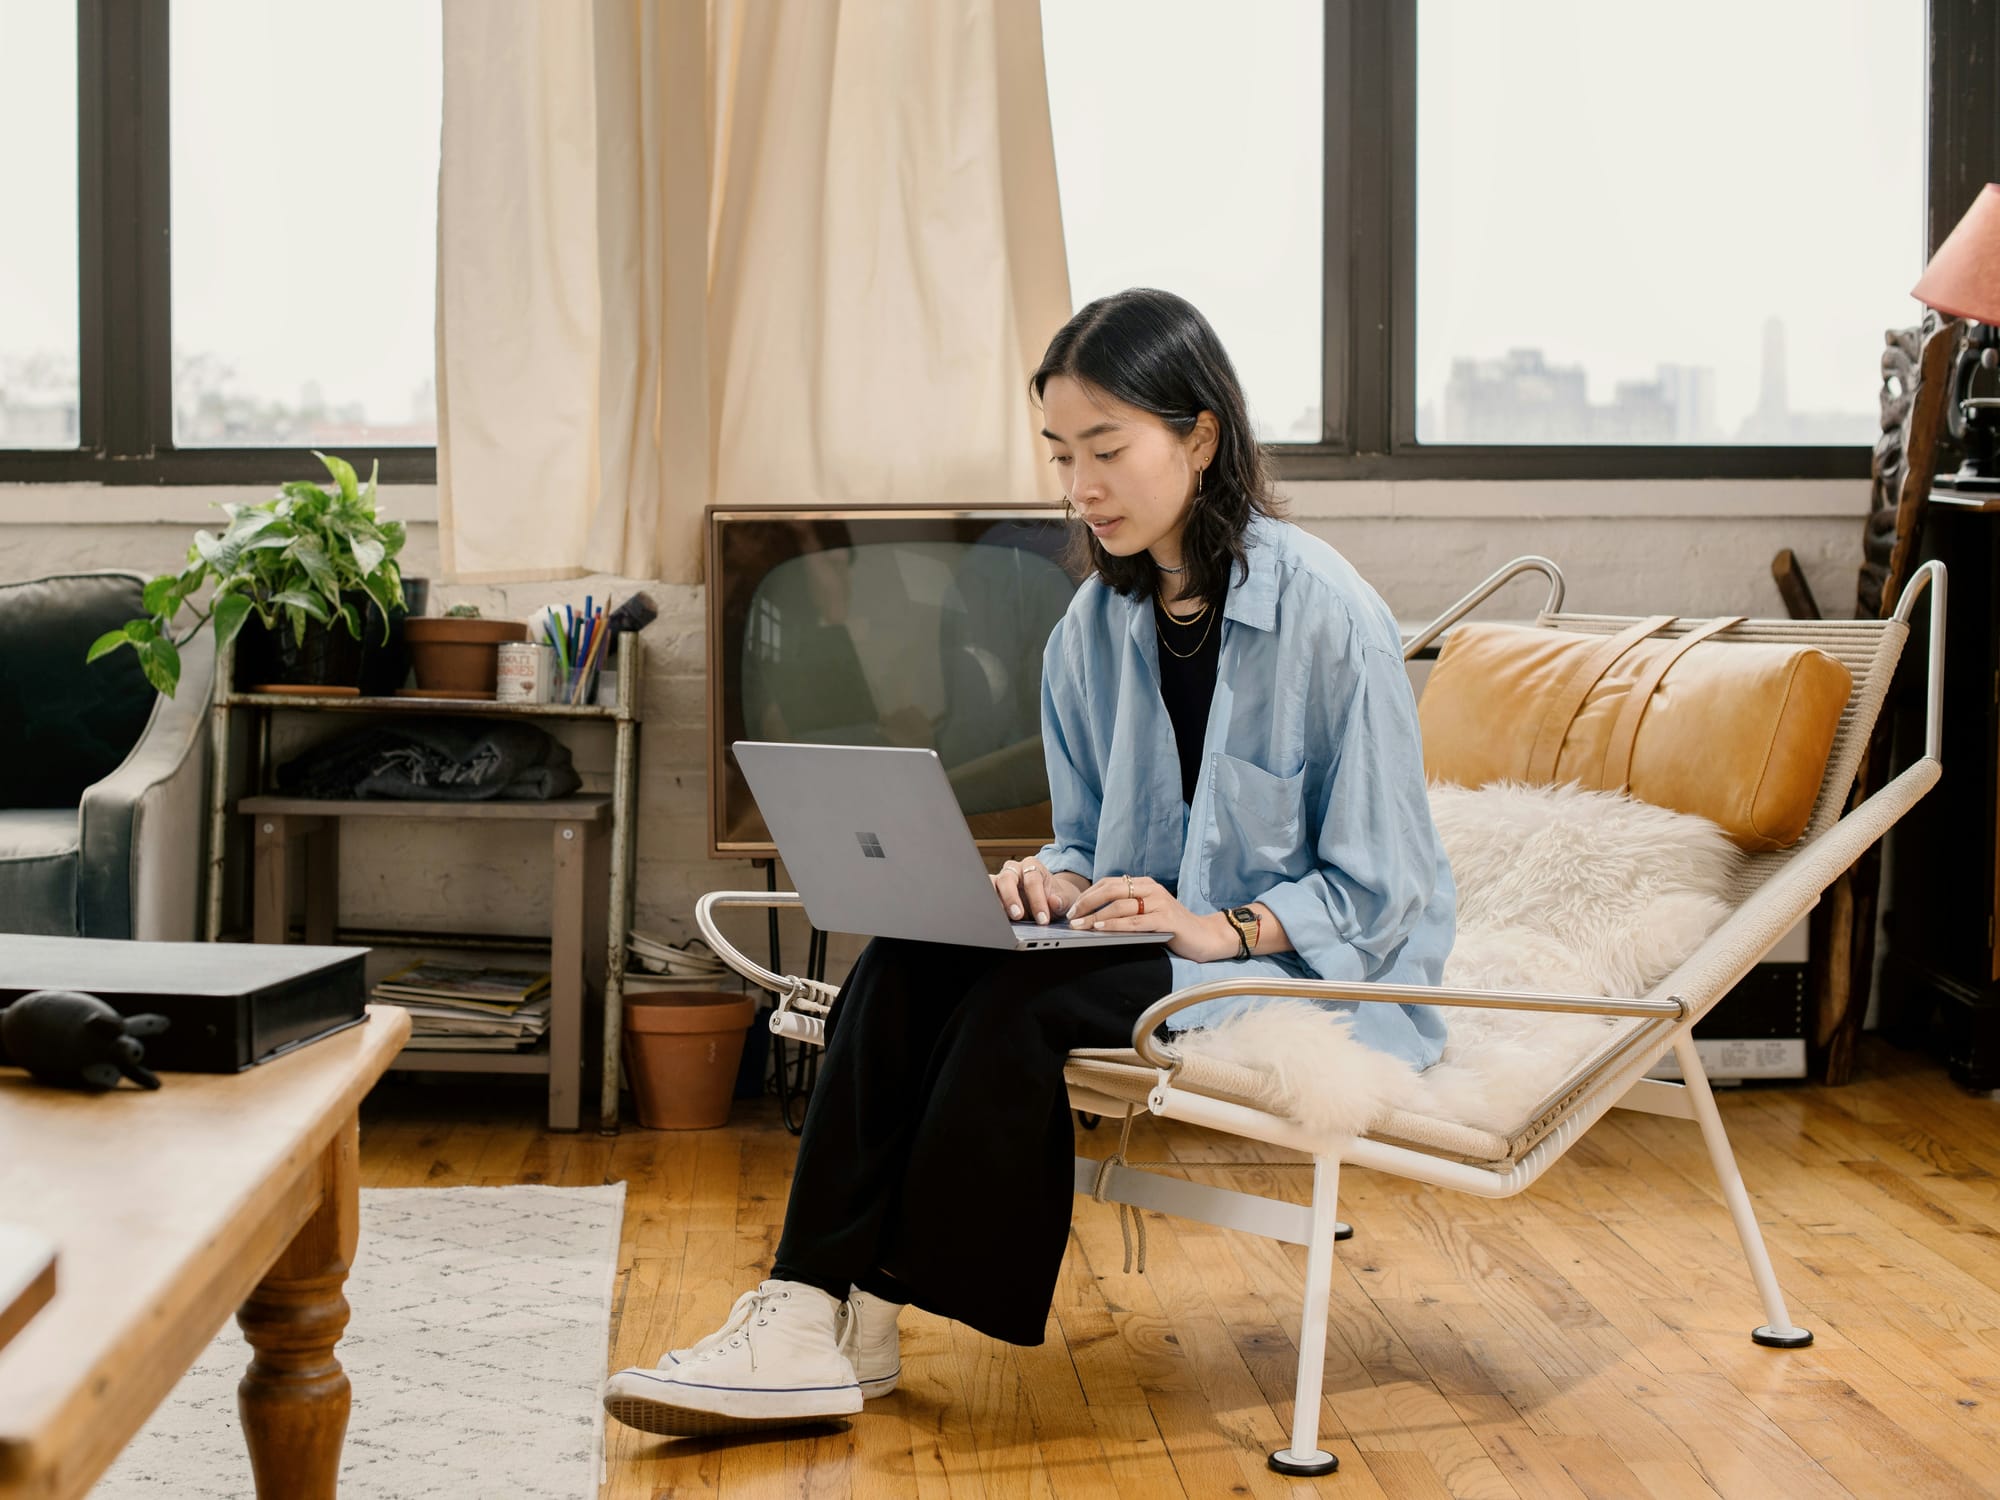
(223, 1192)
(579, 856)
(27, 1277)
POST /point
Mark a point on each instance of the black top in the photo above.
(1188, 654)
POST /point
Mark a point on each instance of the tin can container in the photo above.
(527, 673)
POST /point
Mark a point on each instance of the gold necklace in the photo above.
(1188, 655)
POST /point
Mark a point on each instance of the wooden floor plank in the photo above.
(1587, 1339)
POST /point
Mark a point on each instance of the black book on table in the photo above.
(230, 1005)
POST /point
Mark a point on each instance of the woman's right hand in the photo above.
(1029, 892)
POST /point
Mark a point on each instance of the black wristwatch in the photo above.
(1247, 924)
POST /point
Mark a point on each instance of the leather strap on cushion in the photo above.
(1564, 704)
(1616, 770)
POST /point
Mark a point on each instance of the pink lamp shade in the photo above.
(1963, 278)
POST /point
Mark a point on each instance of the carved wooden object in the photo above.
(1916, 370)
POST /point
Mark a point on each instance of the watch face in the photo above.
(1243, 913)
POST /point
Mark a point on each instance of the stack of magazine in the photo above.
(467, 1005)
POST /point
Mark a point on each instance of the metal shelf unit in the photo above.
(588, 917)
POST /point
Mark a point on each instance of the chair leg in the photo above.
(1305, 1457)
(1778, 1332)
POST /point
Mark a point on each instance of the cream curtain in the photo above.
(741, 251)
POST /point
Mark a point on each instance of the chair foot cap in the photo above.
(1282, 1462)
(1770, 1338)
(1342, 1231)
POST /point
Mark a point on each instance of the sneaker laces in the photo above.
(746, 1312)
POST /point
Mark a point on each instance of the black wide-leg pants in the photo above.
(938, 1148)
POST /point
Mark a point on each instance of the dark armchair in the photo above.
(102, 781)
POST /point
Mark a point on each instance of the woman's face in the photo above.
(1128, 474)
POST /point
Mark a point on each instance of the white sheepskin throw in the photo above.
(1560, 890)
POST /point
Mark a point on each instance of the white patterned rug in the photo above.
(477, 1344)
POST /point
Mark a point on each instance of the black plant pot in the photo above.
(327, 656)
(385, 665)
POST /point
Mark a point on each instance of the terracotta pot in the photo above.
(459, 656)
(681, 1051)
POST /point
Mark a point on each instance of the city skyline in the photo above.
(1517, 397)
(1523, 397)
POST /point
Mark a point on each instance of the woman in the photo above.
(1233, 760)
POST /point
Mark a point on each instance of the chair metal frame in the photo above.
(1167, 1084)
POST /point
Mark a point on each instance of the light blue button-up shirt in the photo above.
(1310, 796)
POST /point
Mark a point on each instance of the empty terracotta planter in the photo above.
(681, 1052)
(458, 656)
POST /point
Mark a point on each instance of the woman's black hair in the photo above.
(1153, 350)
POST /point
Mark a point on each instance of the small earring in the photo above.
(1197, 483)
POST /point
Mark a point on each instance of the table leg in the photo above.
(293, 1399)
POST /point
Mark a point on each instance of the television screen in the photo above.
(886, 627)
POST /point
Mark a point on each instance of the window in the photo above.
(1188, 139)
(1441, 238)
(304, 171)
(40, 402)
(1704, 249)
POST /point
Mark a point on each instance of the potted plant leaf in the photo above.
(306, 565)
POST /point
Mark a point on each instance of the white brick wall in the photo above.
(1696, 549)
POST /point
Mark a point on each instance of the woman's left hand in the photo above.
(1138, 903)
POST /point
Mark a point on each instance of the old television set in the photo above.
(889, 626)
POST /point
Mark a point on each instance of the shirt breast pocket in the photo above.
(1257, 830)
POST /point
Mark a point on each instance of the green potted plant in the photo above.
(307, 564)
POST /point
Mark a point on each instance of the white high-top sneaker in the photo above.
(872, 1342)
(868, 1338)
(777, 1359)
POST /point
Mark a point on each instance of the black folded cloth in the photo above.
(435, 760)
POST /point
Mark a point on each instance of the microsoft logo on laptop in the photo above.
(871, 847)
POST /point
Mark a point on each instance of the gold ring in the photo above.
(1128, 889)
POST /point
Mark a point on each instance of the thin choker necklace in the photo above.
(1165, 569)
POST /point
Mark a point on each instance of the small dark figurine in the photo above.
(73, 1040)
(635, 613)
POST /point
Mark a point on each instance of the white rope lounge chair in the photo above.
(1771, 892)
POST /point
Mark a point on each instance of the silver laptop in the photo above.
(874, 840)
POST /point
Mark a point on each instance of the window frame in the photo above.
(125, 417)
(1368, 304)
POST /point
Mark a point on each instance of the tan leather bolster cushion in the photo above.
(1736, 731)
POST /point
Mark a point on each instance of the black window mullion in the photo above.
(122, 99)
(1336, 228)
(1399, 225)
(1964, 123)
(154, 229)
(90, 90)
(1372, 167)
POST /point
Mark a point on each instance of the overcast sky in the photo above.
(1615, 182)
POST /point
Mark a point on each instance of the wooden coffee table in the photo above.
(168, 1211)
